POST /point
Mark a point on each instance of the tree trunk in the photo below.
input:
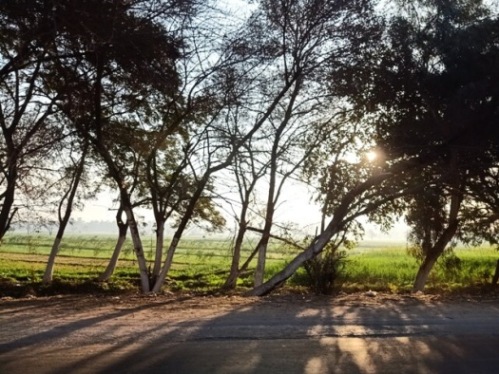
(433, 253)
(231, 281)
(424, 271)
(262, 257)
(63, 220)
(167, 265)
(158, 259)
(278, 279)
(111, 266)
(138, 248)
(6, 205)
(49, 269)
(269, 217)
(334, 226)
(178, 234)
(495, 279)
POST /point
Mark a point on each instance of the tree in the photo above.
(330, 37)
(247, 171)
(25, 111)
(436, 97)
(170, 170)
(117, 67)
(399, 89)
(65, 207)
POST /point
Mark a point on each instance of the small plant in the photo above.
(323, 270)
(451, 264)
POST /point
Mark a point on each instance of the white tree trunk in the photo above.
(158, 259)
(423, 273)
(138, 248)
(167, 265)
(49, 270)
(260, 265)
(111, 266)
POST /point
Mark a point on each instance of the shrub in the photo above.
(324, 269)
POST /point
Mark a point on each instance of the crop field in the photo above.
(202, 265)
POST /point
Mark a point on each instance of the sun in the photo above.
(371, 156)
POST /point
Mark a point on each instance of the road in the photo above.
(271, 335)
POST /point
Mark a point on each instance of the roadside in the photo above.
(184, 333)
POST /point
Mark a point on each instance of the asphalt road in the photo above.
(261, 337)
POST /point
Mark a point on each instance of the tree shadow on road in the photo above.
(278, 335)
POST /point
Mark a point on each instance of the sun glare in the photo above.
(371, 156)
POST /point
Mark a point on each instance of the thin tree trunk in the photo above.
(334, 226)
(262, 257)
(231, 281)
(178, 234)
(122, 231)
(6, 204)
(158, 259)
(127, 206)
(432, 256)
(138, 247)
(433, 253)
(495, 279)
(63, 220)
(49, 269)
(269, 218)
(291, 268)
(167, 265)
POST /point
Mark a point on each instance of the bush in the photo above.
(324, 269)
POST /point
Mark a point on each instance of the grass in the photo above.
(391, 269)
(202, 265)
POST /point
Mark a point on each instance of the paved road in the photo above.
(273, 337)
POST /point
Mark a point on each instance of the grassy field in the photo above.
(202, 265)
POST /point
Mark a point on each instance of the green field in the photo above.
(202, 265)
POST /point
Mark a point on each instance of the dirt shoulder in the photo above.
(202, 306)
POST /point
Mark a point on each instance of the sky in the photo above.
(294, 207)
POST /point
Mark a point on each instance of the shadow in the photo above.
(75, 308)
(277, 334)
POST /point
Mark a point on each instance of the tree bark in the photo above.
(272, 195)
(158, 258)
(167, 265)
(433, 253)
(138, 248)
(424, 271)
(8, 200)
(262, 256)
(495, 279)
(122, 231)
(432, 256)
(281, 277)
(49, 269)
(231, 281)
